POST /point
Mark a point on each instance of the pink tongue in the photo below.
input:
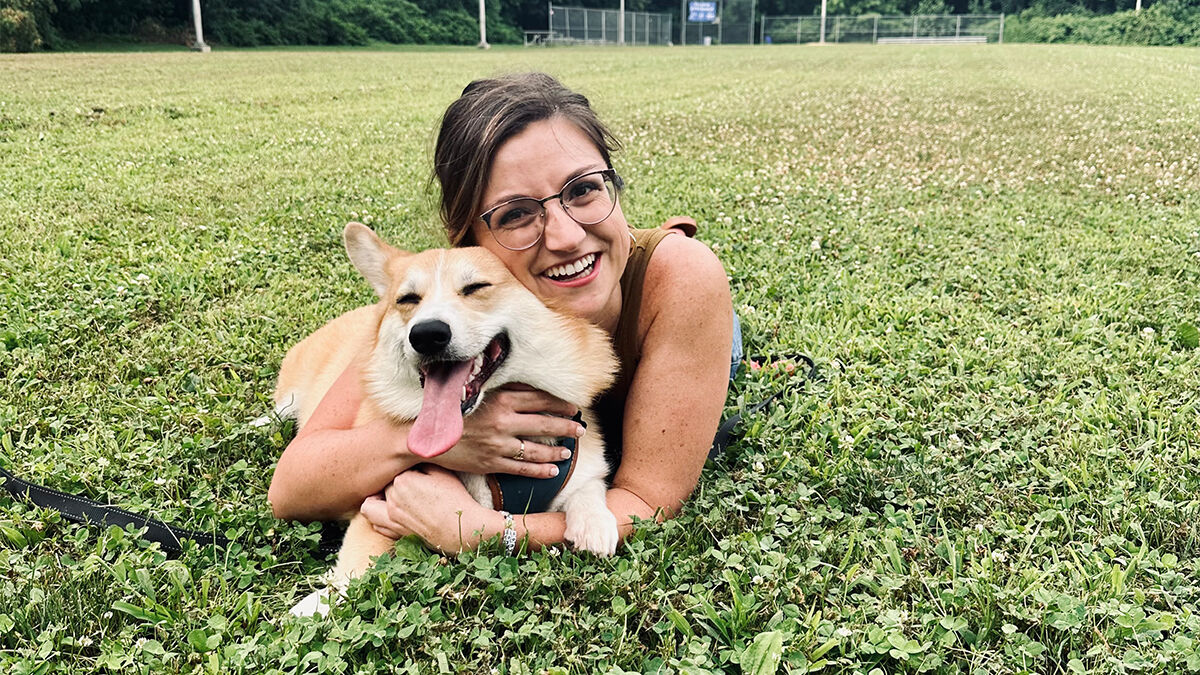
(440, 424)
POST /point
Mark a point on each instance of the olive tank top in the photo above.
(610, 407)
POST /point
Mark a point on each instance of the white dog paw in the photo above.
(317, 602)
(594, 531)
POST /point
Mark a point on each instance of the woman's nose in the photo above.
(562, 232)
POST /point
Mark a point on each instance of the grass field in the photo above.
(992, 253)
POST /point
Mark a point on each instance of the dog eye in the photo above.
(471, 288)
(408, 299)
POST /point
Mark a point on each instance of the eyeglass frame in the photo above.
(609, 174)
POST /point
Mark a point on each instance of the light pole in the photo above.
(823, 21)
(483, 43)
(199, 46)
(621, 26)
(683, 17)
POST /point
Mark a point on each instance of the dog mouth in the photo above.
(451, 389)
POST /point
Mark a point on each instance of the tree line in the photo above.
(28, 25)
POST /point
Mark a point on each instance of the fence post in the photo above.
(958, 26)
(914, 25)
(875, 32)
(720, 15)
(1001, 40)
(762, 29)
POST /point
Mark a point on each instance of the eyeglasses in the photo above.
(518, 224)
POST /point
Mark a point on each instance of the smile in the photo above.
(573, 270)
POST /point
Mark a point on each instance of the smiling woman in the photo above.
(526, 172)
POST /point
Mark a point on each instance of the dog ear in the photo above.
(370, 255)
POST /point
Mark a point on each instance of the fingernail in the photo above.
(580, 431)
(566, 454)
(553, 471)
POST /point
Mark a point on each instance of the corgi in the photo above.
(450, 326)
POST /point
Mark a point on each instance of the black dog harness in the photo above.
(520, 494)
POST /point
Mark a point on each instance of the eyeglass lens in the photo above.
(587, 199)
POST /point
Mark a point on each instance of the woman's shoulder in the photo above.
(679, 259)
(682, 276)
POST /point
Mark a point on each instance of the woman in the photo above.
(665, 300)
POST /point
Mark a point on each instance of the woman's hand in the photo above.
(492, 435)
(431, 503)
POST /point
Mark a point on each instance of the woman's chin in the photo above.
(581, 301)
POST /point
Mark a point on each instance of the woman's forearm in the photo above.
(536, 530)
(326, 474)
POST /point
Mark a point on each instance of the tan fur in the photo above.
(562, 355)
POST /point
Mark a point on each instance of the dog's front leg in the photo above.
(361, 544)
(590, 525)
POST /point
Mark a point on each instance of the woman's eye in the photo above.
(514, 217)
(408, 299)
(582, 189)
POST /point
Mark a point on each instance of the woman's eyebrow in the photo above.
(591, 168)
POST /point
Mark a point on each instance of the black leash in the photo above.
(82, 510)
(86, 511)
(725, 432)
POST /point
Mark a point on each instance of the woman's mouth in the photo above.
(575, 272)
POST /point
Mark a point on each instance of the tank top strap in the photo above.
(641, 248)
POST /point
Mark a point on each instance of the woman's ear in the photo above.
(370, 255)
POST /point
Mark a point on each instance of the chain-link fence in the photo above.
(917, 28)
(581, 25)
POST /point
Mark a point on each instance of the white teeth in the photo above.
(464, 394)
(477, 365)
(571, 269)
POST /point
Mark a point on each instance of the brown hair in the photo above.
(483, 118)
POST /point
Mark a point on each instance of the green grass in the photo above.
(993, 254)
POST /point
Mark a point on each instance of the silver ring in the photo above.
(521, 452)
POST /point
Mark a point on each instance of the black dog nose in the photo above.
(429, 337)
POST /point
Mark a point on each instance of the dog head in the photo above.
(454, 324)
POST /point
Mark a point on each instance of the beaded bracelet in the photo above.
(510, 534)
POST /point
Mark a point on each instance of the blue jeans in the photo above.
(735, 356)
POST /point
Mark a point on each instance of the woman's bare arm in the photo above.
(330, 466)
(678, 392)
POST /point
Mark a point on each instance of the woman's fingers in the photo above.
(534, 401)
(544, 425)
(538, 461)
(536, 453)
(375, 510)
